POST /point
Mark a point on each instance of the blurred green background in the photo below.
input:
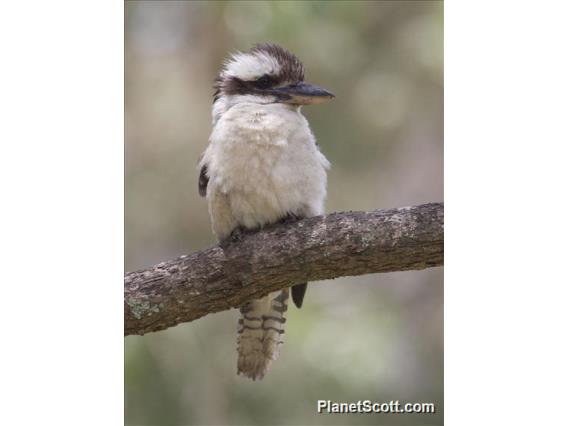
(377, 337)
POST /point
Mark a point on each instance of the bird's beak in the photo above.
(303, 94)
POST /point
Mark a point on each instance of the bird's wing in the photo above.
(203, 180)
(298, 293)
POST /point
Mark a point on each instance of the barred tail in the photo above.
(260, 333)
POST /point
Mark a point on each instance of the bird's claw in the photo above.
(236, 235)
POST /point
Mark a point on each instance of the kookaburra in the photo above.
(262, 166)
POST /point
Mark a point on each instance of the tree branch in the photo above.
(257, 263)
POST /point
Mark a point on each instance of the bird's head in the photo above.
(266, 74)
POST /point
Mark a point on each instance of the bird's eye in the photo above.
(263, 82)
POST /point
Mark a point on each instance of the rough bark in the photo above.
(256, 263)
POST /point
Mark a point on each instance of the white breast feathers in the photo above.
(262, 163)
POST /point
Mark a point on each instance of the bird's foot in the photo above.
(237, 234)
(289, 219)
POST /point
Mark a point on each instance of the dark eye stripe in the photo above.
(234, 85)
(264, 82)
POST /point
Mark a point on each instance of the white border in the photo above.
(506, 241)
(62, 212)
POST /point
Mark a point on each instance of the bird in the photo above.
(262, 166)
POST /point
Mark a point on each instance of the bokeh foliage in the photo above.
(377, 337)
